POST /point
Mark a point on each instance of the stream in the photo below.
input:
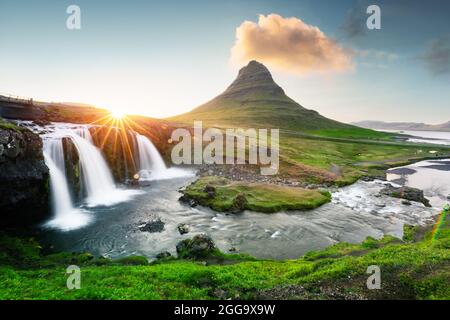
(355, 212)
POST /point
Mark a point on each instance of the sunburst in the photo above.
(117, 123)
(117, 114)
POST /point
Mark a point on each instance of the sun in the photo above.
(117, 114)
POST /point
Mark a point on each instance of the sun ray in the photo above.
(107, 135)
(104, 125)
(116, 132)
(127, 144)
(140, 127)
(106, 117)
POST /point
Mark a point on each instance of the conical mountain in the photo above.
(255, 100)
(253, 79)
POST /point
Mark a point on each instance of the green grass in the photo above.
(10, 126)
(259, 197)
(259, 112)
(353, 133)
(409, 270)
(311, 159)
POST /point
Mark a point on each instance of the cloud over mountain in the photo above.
(289, 44)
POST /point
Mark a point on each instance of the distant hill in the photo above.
(413, 126)
(255, 100)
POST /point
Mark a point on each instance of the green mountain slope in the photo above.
(255, 100)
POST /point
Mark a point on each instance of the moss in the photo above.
(238, 196)
(4, 124)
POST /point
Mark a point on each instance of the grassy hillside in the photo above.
(259, 113)
(416, 267)
(342, 161)
(255, 100)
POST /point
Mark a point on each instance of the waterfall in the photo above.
(151, 164)
(54, 158)
(97, 178)
(66, 216)
(85, 133)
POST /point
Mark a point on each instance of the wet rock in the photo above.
(239, 203)
(143, 183)
(188, 200)
(41, 122)
(448, 197)
(380, 205)
(372, 178)
(201, 246)
(153, 226)
(406, 202)
(407, 193)
(232, 249)
(163, 255)
(132, 182)
(183, 228)
(24, 178)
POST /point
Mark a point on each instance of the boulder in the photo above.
(407, 193)
(152, 226)
(199, 247)
(239, 203)
(183, 228)
(188, 200)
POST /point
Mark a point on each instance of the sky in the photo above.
(162, 58)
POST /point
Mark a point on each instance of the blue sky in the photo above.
(165, 58)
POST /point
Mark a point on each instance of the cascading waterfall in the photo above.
(97, 180)
(54, 158)
(85, 133)
(66, 216)
(151, 164)
(96, 177)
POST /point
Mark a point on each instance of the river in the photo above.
(356, 211)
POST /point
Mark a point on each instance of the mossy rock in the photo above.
(240, 202)
(199, 247)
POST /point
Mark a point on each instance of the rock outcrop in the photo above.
(406, 193)
(24, 178)
(199, 247)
